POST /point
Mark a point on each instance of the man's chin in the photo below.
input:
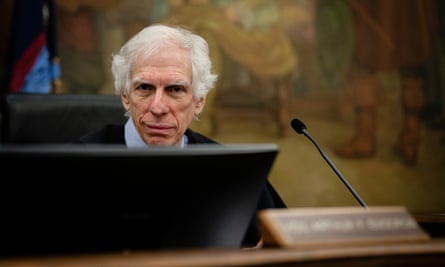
(159, 142)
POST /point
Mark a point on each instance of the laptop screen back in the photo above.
(76, 198)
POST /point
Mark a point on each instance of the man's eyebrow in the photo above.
(179, 82)
(139, 80)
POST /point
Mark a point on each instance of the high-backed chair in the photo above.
(56, 118)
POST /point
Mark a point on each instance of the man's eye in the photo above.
(143, 87)
(176, 89)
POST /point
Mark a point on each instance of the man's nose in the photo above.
(158, 104)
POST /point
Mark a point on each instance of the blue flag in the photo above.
(34, 64)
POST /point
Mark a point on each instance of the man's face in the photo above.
(161, 101)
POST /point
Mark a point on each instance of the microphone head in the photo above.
(298, 126)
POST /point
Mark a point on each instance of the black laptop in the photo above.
(90, 198)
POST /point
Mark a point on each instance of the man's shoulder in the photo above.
(198, 138)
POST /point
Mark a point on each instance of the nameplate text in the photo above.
(339, 225)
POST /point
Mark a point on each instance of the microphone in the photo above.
(300, 128)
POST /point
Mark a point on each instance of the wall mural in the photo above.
(369, 70)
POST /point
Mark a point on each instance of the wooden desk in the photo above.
(413, 254)
(432, 223)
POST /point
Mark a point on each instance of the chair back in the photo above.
(56, 118)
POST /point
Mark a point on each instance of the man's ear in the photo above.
(200, 105)
(125, 101)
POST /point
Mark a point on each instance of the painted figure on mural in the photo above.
(79, 44)
(89, 32)
(241, 31)
(390, 36)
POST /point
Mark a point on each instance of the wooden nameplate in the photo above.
(320, 227)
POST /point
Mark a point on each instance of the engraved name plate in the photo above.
(315, 227)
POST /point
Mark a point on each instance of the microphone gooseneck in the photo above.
(300, 128)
